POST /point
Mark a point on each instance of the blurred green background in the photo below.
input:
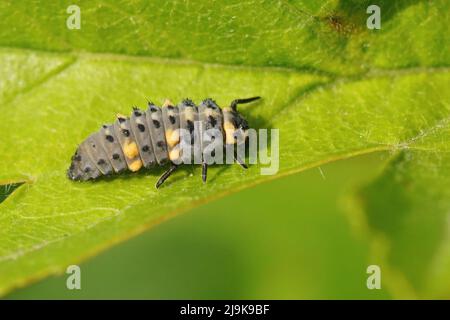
(287, 239)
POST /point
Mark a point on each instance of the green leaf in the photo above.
(334, 89)
(286, 240)
(408, 209)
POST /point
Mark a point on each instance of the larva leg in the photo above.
(204, 171)
(166, 174)
(239, 160)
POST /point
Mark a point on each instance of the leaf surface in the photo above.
(333, 88)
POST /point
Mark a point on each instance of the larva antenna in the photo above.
(234, 103)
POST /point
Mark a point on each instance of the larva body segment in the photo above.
(111, 145)
(157, 133)
(210, 116)
(189, 119)
(139, 127)
(128, 143)
(98, 154)
(82, 166)
(152, 137)
(171, 120)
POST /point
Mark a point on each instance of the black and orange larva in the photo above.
(149, 138)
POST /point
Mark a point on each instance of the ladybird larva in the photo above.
(149, 138)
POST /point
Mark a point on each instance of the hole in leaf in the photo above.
(7, 189)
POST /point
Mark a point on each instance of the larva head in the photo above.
(235, 125)
(240, 122)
